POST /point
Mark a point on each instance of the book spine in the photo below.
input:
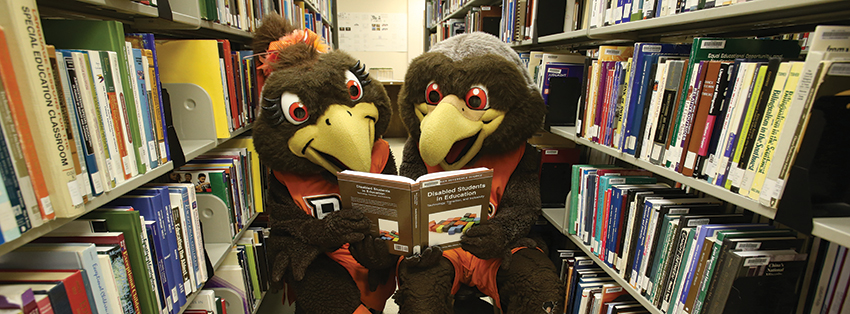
(15, 120)
(152, 107)
(123, 119)
(16, 178)
(755, 122)
(134, 108)
(189, 225)
(79, 87)
(150, 44)
(149, 252)
(103, 117)
(70, 118)
(89, 99)
(112, 121)
(113, 85)
(716, 164)
(40, 97)
(156, 107)
(163, 265)
(182, 250)
(144, 110)
(774, 129)
(12, 228)
(770, 115)
(76, 289)
(180, 270)
(735, 173)
(696, 134)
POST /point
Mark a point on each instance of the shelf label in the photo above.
(585, 262)
(651, 48)
(839, 69)
(747, 246)
(698, 222)
(690, 160)
(74, 189)
(713, 44)
(756, 261)
(679, 211)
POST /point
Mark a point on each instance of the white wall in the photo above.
(396, 60)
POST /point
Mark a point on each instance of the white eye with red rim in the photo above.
(476, 98)
(433, 95)
(295, 112)
(355, 90)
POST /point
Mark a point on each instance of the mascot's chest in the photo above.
(315, 195)
(503, 167)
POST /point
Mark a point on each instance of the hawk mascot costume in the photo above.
(321, 114)
(469, 102)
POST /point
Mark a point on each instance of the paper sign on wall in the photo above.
(372, 31)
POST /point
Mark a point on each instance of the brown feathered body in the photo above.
(465, 101)
(320, 114)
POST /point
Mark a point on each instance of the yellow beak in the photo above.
(442, 128)
(341, 139)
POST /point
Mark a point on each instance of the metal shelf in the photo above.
(226, 29)
(465, 8)
(835, 230)
(195, 148)
(101, 200)
(236, 133)
(568, 132)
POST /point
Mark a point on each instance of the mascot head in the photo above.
(469, 95)
(320, 110)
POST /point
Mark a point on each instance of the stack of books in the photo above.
(590, 290)
(682, 252)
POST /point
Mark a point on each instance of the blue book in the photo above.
(150, 207)
(605, 183)
(148, 43)
(158, 266)
(80, 121)
(145, 109)
(175, 240)
(645, 54)
(627, 10)
(13, 190)
(559, 69)
(189, 226)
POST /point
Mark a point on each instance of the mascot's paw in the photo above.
(430, 256)
(485, 241)
(347, 226)
(291, 255)
(373, 254)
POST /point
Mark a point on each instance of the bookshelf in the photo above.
(752, 18)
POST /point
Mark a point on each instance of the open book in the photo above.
(434, 209)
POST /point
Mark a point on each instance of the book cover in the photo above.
(410, 214)
(146, 41)
(148, 105)
(111, 260)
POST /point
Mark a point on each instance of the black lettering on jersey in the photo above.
(322, 205)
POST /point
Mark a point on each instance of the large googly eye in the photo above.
(295, 112)
(355, 90)
(476, 98)
(433, 95)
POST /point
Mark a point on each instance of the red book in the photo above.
(71, 279)
(231, 88)
(694, 138)
(43, 303)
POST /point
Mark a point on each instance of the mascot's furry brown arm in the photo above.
(321, 114)
(468, 102)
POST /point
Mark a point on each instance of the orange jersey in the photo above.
(319, 197)
(503, 167)
(476, 272)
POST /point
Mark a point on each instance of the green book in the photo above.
(705, 49)
(670, 223)
(100, 35)
(677, 286)
(252, 269)
(129, 222)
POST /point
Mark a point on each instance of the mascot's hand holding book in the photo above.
(434, 209)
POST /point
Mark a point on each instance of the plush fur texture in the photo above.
(298, 240)
(526, 279)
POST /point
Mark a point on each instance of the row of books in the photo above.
(827, 279)
(437, 10)
(101, 117)
(240, 14)
(682, 252)
(604, 13)
(728, 111)
(308, 16)
(589, 290)
(229, 76)
(486, 18)
(162, 245)
(75, 122)
(243, 277)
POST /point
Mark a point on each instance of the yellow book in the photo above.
(256, 170)
(196, 61)
(776, 128)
